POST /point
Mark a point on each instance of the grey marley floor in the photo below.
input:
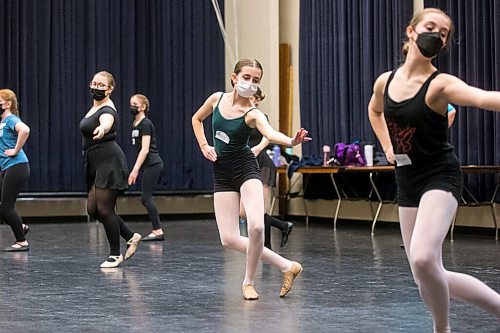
(352, 282)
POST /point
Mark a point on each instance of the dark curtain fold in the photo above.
(171, 51)
(344, 46)
(473, 57)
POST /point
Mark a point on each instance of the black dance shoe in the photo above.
(17, 248)
(285, 233)
(153, 237)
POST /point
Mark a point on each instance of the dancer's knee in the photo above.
(103, 215)
(424, 264)
(92, 212)
(255, 231)
(146, 200)
(228, 242)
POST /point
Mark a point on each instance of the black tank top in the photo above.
(415, 129)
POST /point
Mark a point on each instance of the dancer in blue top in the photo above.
(236, 172)
(14, 165)
(452, 113)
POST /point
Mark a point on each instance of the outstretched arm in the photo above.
(277, 137)
(376, 116)
(458, 92)
(197, 121)
(105, 123)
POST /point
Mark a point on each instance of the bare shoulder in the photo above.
(447, 84)
(214, 98)
(444, 79)
(380, 82)
(254, 117)
(255, 114)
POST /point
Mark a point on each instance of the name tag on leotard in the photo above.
(222, 136)
(402, 159)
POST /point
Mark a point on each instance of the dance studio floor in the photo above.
(189, 283)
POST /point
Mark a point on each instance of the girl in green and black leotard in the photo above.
(236, 172)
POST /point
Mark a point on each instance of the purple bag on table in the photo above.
(349, 154)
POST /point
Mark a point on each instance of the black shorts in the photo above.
(230, 172)
(414, 181)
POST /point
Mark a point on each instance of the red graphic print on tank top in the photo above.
(403, 136)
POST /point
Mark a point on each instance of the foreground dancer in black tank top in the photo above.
(236, 172)
(106, 168)
(408, 112)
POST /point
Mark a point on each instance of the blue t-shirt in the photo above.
(8, 140)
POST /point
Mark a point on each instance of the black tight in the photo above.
(101, 206)
(11, 183)
(150, 177)
(269, 222)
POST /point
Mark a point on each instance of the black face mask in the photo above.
(429, 44)
(97, 94)
(2, 110)
(134, 110)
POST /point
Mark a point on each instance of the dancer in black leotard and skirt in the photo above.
(106, 168)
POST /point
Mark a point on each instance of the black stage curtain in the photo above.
(171, 51)
(473, 57)
(344, 46)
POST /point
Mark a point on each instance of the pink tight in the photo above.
(424, 230)
(227, 208)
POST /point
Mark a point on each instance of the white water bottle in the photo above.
(369, 155)
(326, 150)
